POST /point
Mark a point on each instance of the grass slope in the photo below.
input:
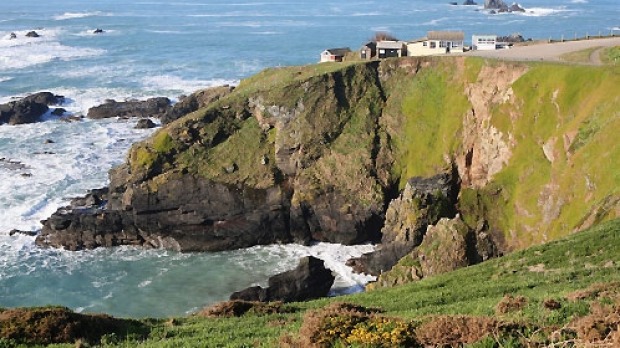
(544, 272)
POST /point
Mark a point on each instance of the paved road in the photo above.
(549, 51)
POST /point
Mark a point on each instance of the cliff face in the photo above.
(318, 152)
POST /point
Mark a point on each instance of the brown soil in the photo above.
(455, 331)
(598, 290)
(510, 303)
(61, 325)
(239, 308)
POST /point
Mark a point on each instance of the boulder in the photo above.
(145, 123)
(98, 31)
(153, 107)
(469, 3)
(195, 101)
(32, 34)
(422, 203)
(12, 36)
(309, 280)
(28, 109)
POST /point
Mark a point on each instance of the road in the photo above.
(549, 51)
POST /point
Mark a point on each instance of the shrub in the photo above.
(349, 324)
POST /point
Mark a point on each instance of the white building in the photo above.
(484, 42)
(437, 42)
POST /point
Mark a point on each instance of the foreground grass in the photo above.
(541, 273)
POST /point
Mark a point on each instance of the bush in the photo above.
(349, 324)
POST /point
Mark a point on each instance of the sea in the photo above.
(172, 48)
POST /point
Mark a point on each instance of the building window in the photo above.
(425, 44)
(433, 44)
(442, 44)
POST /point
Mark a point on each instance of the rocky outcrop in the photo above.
(28, 109)
(500, 6)
(32, 34)
(422, 203)
(153, 107)
(195, 101)
(446, 246)
(309, 280)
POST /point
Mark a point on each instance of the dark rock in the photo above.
(12, 36)
(454, 3)
(195, 101)
(32, 34)
(145, 123)
(516, 8)
(310, 280)
(58, 112)
(28, 109)
(25, 233)
(469, 3)
(185, 213)
(153, 107)
(48, 141)
(422, 203)
(512, 38)
(98, 31)
(495, 5)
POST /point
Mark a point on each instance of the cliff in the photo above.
(319, 152)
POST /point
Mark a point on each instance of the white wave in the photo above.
(579, 1)
(171, 84)
(145, 283)
(73, 15)
(24, 52)
(334, 256)
(543, 12)
(266, 33)
(91, 32)
(5, 79)
(77, 160)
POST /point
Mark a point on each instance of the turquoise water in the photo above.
(169, 48)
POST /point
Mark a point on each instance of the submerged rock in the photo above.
(32, 34)
(309, 280)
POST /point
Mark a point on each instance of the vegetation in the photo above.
(563, 291)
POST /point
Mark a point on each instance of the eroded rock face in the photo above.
(422, 203)
(28, 109)
(448, 245)
(309, 280)
(486, 150)
(153, 107)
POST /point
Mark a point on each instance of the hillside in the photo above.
(565, 292)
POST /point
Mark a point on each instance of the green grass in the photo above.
(433, 108)
(549, 271)
(611, 55)
(582, 56)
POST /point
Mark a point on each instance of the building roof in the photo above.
(390, 45)
(338, 51)
(446, 35)
(370, 44)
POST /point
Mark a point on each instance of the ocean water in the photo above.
(171, 48)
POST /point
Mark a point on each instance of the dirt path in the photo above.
(595, 57)
(550, 51)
